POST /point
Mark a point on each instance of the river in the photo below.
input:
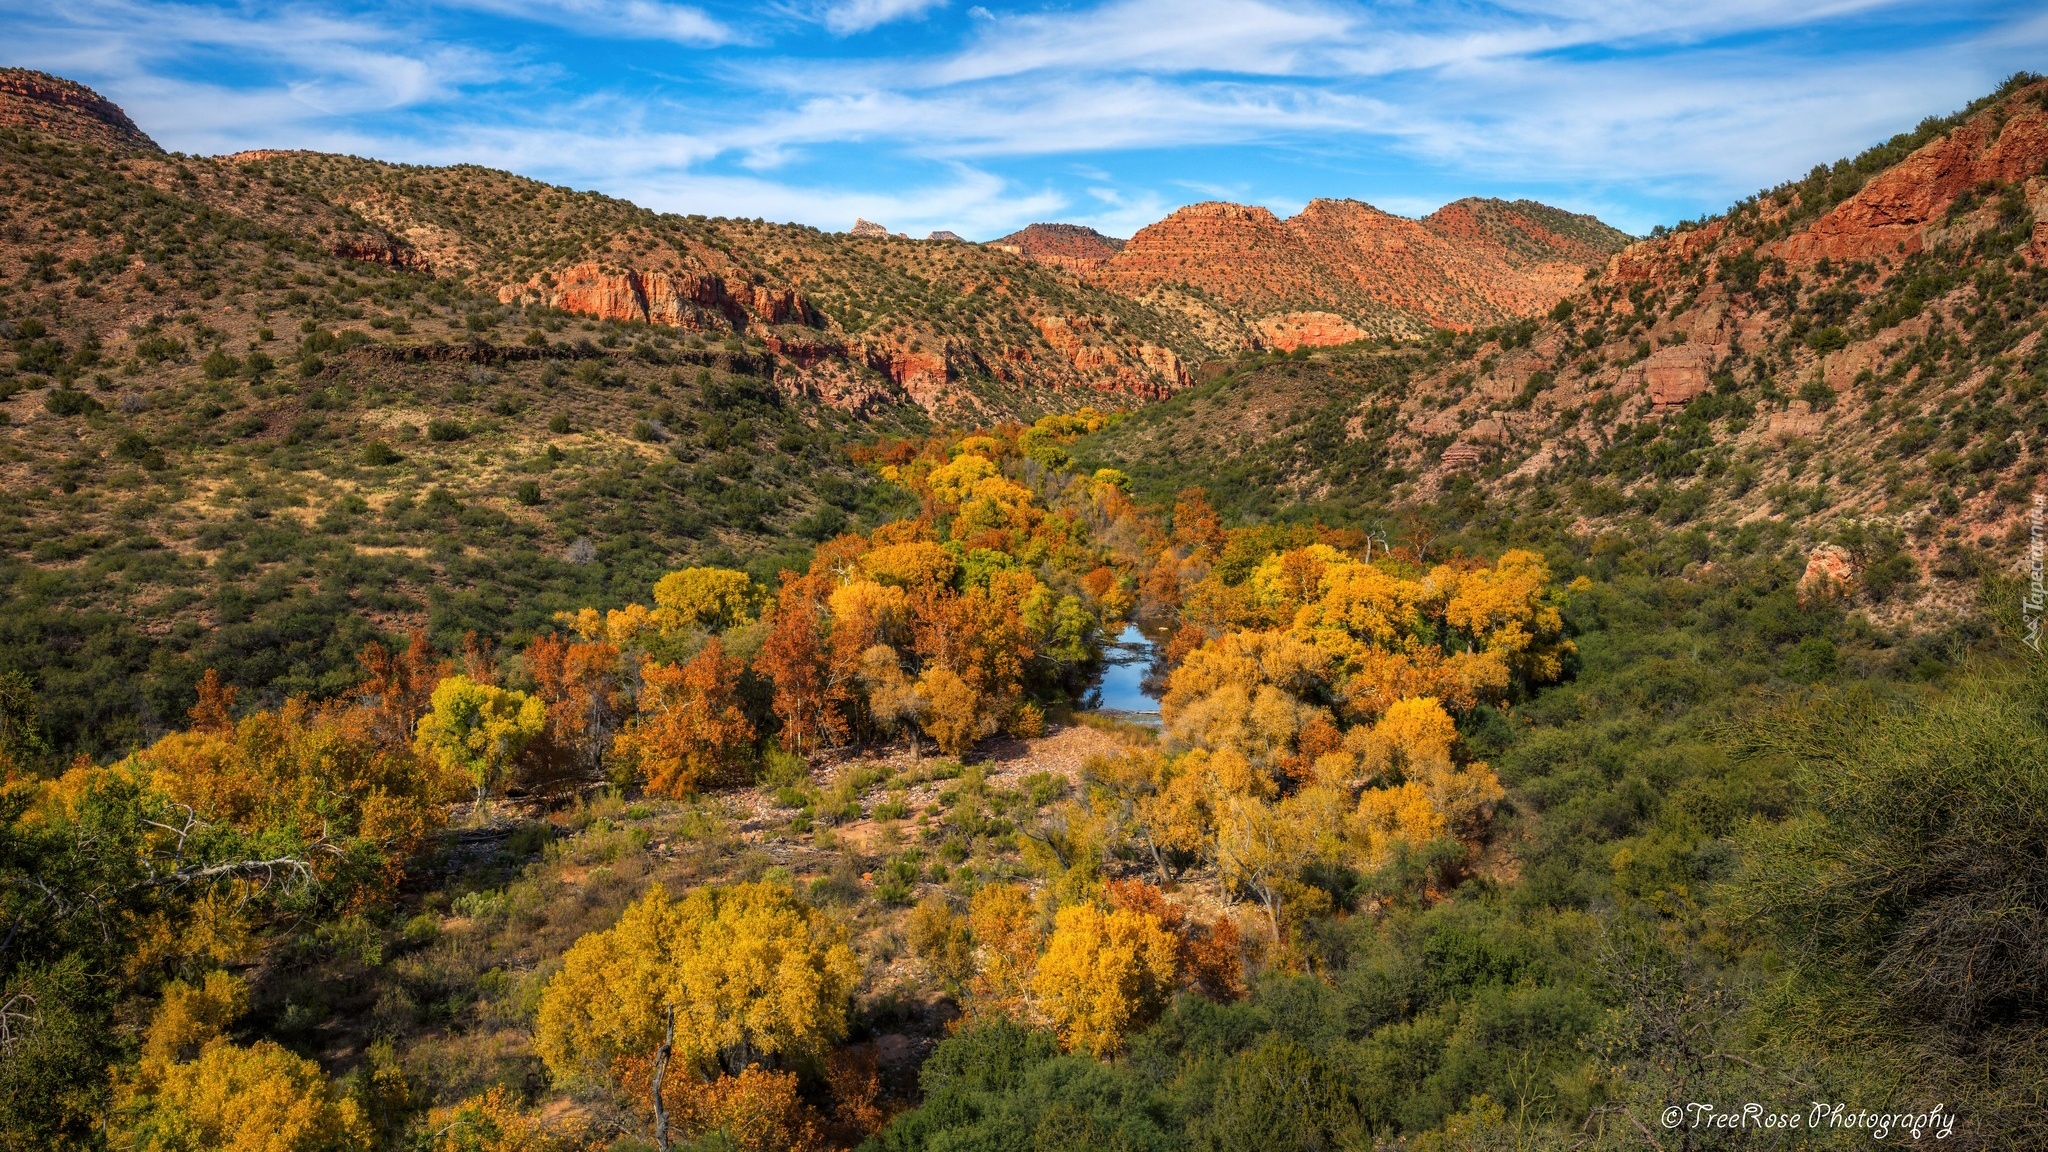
(1120, 690)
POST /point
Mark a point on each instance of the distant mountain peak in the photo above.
(1074, 247)
(1341, 269)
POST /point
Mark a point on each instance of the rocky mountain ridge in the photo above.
(1855, 359)
(872, 317)
(1341, 270)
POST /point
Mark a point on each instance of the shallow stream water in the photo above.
(1121, 689)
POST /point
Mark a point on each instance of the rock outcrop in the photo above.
(60, 107)
(1896, 211)
(697, 302)
(1674, 376)
(1830, 572)
(1290, 330)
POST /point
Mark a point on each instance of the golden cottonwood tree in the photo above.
(197, 1092)
(1006, 935)
(724, 976)
(476, 729)
(1103, 975)
(710, 598)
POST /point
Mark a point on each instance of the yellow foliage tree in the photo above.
(941, 939)
(1103, 975)
(1243, 693)
(713, 599)
(1006, 936)
(234, 1099)
(954, 713)
(1503, 611)
(909, 564)
(726, 975)
(893, 699)
(477, 729)
(190, 1016)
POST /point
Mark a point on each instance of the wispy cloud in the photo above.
(847, 17)
(625, 19)
(929, 115)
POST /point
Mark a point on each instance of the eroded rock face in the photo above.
(1470, 263)
(1111, 364)
(1292, 330)
(693, 301)
(1830, 572)
(923, 376)
(1673, 376)
(1650, 260)
(1893, 213)
(386, 251)
(32, 99)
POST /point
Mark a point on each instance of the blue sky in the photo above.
(980, 118)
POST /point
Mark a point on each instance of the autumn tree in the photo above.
(1103, 975)
(1196, 526)
(940, 937)
(198, 1092)
(401, 684)
(1006, 933)
(262, 1098)
(578, 683)
(214, 711)
(713, 599)
(892, 697)
(1210, 957)
(690, 729)
(317, 775)
(722, 978)
(494, 1122)
(757, 1110)
(477, 729)
(806, 699)
(954, 715)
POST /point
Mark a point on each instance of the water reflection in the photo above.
(1121, 689)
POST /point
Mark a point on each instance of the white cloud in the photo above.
(622, 19)
(1613, 104)
(846, 17)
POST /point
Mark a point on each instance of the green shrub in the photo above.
(218, 365)
(70, 402)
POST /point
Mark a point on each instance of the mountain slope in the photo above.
(1853, 358)
(853, 320)
(1341, 270)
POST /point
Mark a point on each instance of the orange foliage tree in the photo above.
(690, 729)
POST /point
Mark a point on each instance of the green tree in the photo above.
(477, 729)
